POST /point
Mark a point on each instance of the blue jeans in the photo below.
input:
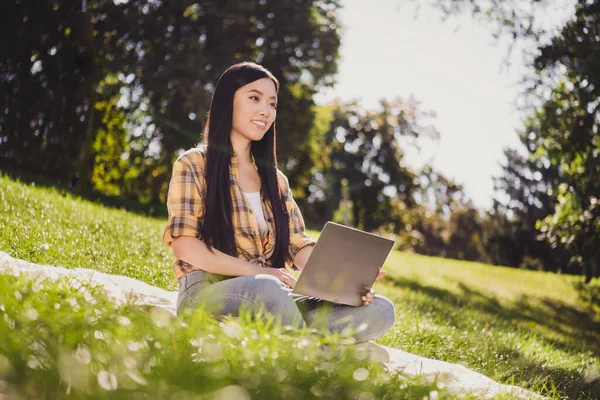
(221, 295)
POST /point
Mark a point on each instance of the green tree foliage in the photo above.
(466, 235)
(431, 226)
(363, 153)
(110, 142)
(567, 133)
(568, 136)
(527, 187)
(555, 184)
(363, 175)
(167, 57)
(48, 74)
(363, 180)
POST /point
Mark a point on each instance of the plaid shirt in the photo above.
(186, 211)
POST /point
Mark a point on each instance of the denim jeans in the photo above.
(221, 295)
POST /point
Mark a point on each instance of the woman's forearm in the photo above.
(302, 257)
(194, 251)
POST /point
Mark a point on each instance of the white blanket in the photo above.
(456, 378)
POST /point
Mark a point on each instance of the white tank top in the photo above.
(256, 204)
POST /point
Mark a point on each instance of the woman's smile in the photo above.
(259, 123)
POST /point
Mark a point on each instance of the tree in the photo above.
(566, 132)
(568, 136)
(432, 229)
(527, 187)
(46, 80)
(563, 127)
(364, 167)
(166, 57)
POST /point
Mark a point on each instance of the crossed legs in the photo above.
(228, 296)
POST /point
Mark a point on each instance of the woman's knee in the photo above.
(380, 318)
(260, 287)
(269, 287)
(268, 280)
(276, 299)
(385, 310)
(254, 290)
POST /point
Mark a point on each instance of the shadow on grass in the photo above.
(579, 332)
(569, 384)
(588, 293)
(117, 202)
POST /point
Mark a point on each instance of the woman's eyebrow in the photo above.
(261, 93)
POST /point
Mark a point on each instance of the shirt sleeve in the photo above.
(298, 237)
(185, 203)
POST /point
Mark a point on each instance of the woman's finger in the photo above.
(284, 279)
(381, 273)
(292, 281)
(368, 297)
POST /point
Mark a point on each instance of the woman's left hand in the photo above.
(368, 297)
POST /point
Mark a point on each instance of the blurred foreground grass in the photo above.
(68, 340)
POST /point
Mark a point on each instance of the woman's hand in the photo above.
(283, 275)
(368, 297)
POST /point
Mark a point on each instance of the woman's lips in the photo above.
(260, 124)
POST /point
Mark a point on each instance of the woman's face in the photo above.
(254, 110)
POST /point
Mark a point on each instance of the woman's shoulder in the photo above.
(283, 180)
(196, 156)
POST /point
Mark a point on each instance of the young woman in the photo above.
(233, 224)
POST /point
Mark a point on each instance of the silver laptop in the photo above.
(343, 264)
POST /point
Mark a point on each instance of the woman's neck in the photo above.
(242, 150)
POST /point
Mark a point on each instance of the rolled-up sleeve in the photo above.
(185, 203)
(298, 237)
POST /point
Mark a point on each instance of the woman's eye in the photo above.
(274, 105)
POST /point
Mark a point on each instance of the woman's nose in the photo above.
(265, 111)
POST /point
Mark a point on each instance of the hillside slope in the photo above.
(532, 329)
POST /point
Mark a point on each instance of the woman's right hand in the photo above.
(283, 275)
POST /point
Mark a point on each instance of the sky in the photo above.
(454, 68)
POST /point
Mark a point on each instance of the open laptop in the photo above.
(343, 264)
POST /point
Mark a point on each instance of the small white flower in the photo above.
(107, 380)
(360, 374)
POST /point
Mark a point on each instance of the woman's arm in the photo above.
(302, 257)
(194, 251)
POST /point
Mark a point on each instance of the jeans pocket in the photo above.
(192, 279)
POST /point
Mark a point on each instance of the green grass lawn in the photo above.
(536, 330)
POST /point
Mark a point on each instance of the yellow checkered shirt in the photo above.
(186, 211)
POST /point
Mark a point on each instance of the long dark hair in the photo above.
(218, 229)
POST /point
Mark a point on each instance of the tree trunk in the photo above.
(85, 160)
(591, 269)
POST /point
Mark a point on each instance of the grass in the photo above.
(536, 330)
(68, 340)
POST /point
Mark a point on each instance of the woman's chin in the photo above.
(257, 137)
